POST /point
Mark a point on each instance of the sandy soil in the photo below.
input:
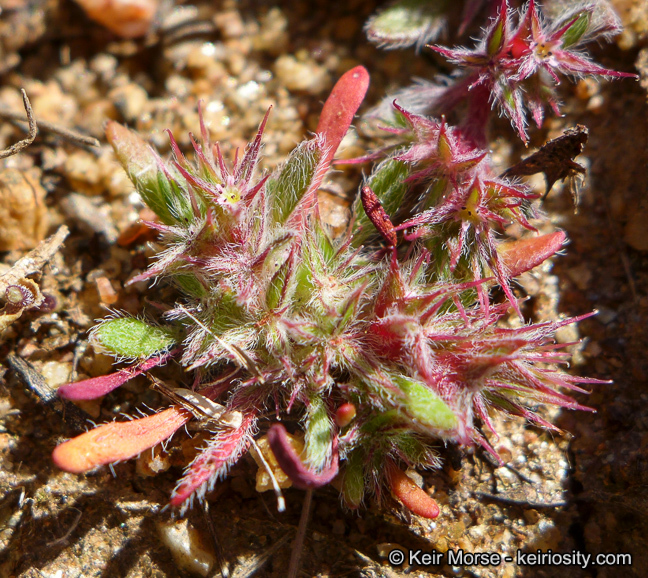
(584, 490)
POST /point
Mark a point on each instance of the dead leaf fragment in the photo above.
(20, 293)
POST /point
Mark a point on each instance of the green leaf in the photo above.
(190, 284)
(323, 241)
(286, 191)
(132, 338)
(496, 38)
(276, 292)
(353, 484)
(407, 23)
(304, 284)
(348, 310)
(425, 406)
(319, 434)
(576, 31)
(414, 450)
(162, 195)
(382, 420)
(226, 314)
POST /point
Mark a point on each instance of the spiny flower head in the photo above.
(462, 206)
(515, 66)
(371, 353)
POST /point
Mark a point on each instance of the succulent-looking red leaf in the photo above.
(288, 460)
(410, 495)
(525, 254)
(97, 386)
(117, 441)
(340, 107)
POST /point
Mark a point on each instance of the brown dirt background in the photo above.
(593, 481)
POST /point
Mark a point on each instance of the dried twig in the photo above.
(186, 30)
(218, 549)
(18, 119)
(21, 293)
(521, 503)
(64, 538)
(35, 259)
(34, 382)
(487, 458)
(33, 129)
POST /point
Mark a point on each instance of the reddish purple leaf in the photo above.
(288, 460)
(214, 461)
(378, 216)
(98, 386)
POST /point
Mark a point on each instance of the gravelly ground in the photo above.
(588, 487)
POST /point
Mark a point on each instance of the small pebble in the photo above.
(56, 373)
(186, 546)
(126, 18)
(52, 104)
(153, 462)
(130, 100)
(82, 172)
(23, 215)
(230, 23)
(89, 216)
(273, 35)
(301, 75)
(107, 293)
(105, 66)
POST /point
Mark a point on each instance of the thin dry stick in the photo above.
(35, 260)
(218, 550)
(66, 133)
(254, 562)
(68, 533)
(521, 503)
(33, 129)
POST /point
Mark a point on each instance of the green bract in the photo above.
(132, 338)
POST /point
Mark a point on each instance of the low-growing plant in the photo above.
(379, 345)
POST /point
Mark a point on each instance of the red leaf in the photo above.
(213, 462)
(340, 107)
(378, 216)
(410, 495)
(118, 441)
(524, 255)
